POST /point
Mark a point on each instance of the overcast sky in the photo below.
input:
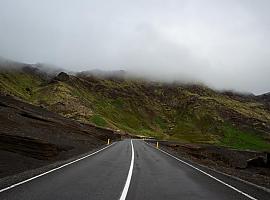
(223, 43)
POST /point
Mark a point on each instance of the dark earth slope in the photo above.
(189, 113)
(31, 136)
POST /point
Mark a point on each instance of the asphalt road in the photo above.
(152, 174)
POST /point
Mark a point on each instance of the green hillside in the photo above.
(188, 113)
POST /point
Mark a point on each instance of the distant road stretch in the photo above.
(131, 169)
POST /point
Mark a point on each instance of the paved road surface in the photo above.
(152, 175)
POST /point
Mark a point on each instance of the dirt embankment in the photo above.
(230, 161)
(31, 137)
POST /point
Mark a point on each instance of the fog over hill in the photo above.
(223, 44)
(49, 71)
(115, 100)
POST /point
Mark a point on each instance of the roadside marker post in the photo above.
(157, 146)
(108, 142)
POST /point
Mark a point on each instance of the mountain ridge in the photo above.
(173, 111)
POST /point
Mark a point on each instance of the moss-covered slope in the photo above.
(189, 113)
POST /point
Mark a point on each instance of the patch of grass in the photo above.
(243, 140)
(161, 123)
(173, 112)
(19, 84)
(121, 117)
(118, 103)
(54, 93)
(98, 120)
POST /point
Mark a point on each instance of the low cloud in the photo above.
(223, 44)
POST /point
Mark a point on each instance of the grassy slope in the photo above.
(19, 84)
(243, 139)
(186, 113)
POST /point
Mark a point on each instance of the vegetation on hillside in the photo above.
(188, 113)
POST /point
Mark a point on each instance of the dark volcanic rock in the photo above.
(268, 159)
(243, 97)
(256, 162)
(29, 147)
(226, 160)
(36, 137)
(62, 76)
(264, 97)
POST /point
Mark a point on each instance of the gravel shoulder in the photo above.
(221, 159)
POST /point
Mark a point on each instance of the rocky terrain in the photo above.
(31, 137)
(49, 115)
(251, 166)
(173, 111)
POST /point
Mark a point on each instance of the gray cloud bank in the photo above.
(224, 44)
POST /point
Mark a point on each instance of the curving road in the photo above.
(132, 170)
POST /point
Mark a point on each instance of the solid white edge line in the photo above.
(209, 175)
(125, 190)
(52, 170)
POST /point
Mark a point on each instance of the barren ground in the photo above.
(32, 137)
(229, 161)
